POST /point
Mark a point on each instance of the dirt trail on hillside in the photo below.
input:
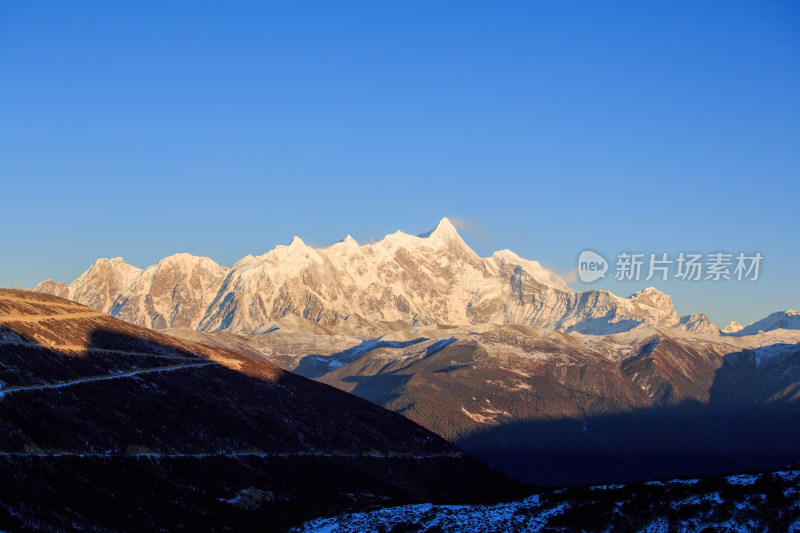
(39, 318)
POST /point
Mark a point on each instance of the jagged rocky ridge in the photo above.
(414, 280)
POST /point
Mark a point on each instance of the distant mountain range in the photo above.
(780, 320)
(434, 278)
(498, 355)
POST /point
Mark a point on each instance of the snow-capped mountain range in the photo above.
(780, 320)
(416, 280)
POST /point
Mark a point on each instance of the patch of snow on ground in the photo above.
(743, 480)
(525, 515)
(764, 353)
(684, 481)
(607, 487)
(700, 498)
(659, 525)
(788, 475)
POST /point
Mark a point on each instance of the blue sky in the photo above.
(221, 129)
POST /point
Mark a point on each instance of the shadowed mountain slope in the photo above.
(110, 426)
(555, 408)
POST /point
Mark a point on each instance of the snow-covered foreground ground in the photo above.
(499, 517)
(747, 502)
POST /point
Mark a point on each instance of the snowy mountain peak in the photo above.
(648, 290)
(504, 258)
(652, 297)
(116, 264)
(789, 319)
(187, 260)
(348, 243)
(297, 242)
(505, 254)
(733, 327)
(289, 256)
(698, 323)
(445, 231)
(110, 261)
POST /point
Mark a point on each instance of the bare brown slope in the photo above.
(503, 375)
(553, 408)
(107, 425)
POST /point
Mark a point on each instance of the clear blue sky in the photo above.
(143, 129)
